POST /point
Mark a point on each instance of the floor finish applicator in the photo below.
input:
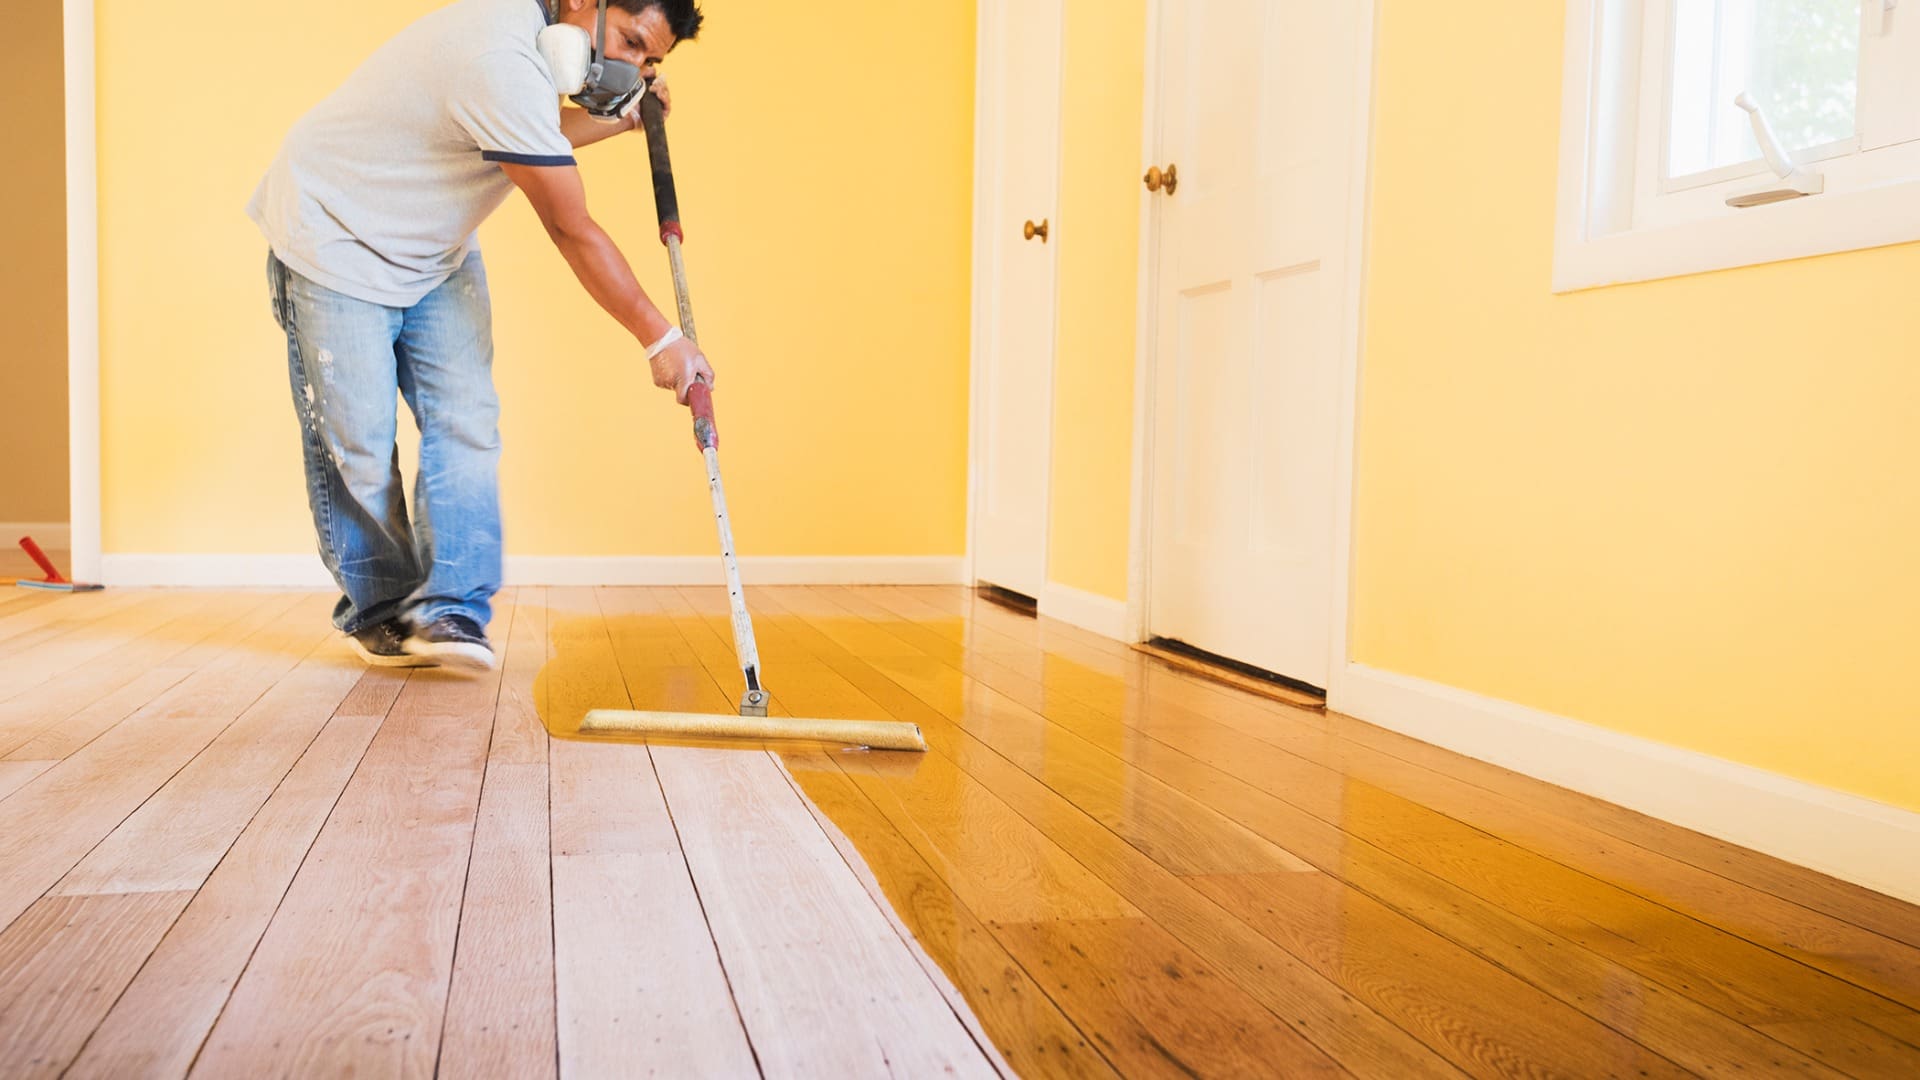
(753, 722)
(54, 581)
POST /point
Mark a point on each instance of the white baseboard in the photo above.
(306, 571)
(1846, 836)
(54, 537)
(1088, 611)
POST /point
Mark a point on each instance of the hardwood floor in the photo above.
(227, 849)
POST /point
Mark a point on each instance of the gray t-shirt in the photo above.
(377, 192)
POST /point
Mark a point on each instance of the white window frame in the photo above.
(1615, 226)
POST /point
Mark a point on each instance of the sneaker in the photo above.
(384, 645)
(452, 639)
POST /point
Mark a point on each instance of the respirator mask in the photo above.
(583, 71)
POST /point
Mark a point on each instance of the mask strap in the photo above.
(600, 34)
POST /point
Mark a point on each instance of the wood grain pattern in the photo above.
(639, 980)
(15, 775)
(640, 987)
(158, 1025)
(62, 963)
(225, 847)
(1310, 1007)
(1037, 1039)
(500, 1008)
(1327, 790)
(47, 826)
(826, 986)
(352, 973)
(1154, 1007)
(85, 634)
(54, 719)
(176, 838)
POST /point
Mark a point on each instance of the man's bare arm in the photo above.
(581, 129)
(559, 197)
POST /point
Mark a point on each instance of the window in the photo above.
(1705, 134)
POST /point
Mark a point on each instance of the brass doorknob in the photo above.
(1039, 230)
(1170, 180)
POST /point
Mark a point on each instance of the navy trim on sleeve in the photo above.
(527, 159)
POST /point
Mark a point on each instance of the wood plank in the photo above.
(15, 775)
(83, 634)
(1179, 833)
(1036, 1037)
(500, 1012)
(1852, 1046)
(64, 958)
(24, 629)
(11, 597)
(1663, 1020)
(501, 1006)
(826, 984)
(999, 864)
(49, 825)
(1816, 919)
(55, 719)
(1882, 965)
(176, 838)
(519, 732)
(1309, 1011)
(1856, 904)
(352, 973)
(1486, 1020)
(158, 1025)
(168, 847)
(1902, 1024)
(1156, 1008)
(1676, 1027)
(639, 983)
(1476, 1040)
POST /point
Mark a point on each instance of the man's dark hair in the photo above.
(683, 16)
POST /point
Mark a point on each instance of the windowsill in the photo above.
(1815, 225)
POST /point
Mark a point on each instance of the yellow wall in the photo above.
(825, 169)
(33, 271)
(1683, 510)
(1099, 234)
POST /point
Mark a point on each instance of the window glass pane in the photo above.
(1800, 59)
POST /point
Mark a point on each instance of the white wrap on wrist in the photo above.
(666, 342)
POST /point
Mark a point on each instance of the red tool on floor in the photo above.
(54, 581)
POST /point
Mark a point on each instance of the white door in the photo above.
(1019, 183)
(1258, 115)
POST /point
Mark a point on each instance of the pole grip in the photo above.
(700, 399)
(653, 117)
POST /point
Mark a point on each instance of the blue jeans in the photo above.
(347, 359)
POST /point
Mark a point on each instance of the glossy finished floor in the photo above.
(226, 847)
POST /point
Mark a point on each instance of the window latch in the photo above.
(1795, 180)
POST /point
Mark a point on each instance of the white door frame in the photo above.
(1352, 328)
(83, 292)
(989, 72)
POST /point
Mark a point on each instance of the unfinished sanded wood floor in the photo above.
(227, 849)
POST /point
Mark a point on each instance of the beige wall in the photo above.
(33, 270)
